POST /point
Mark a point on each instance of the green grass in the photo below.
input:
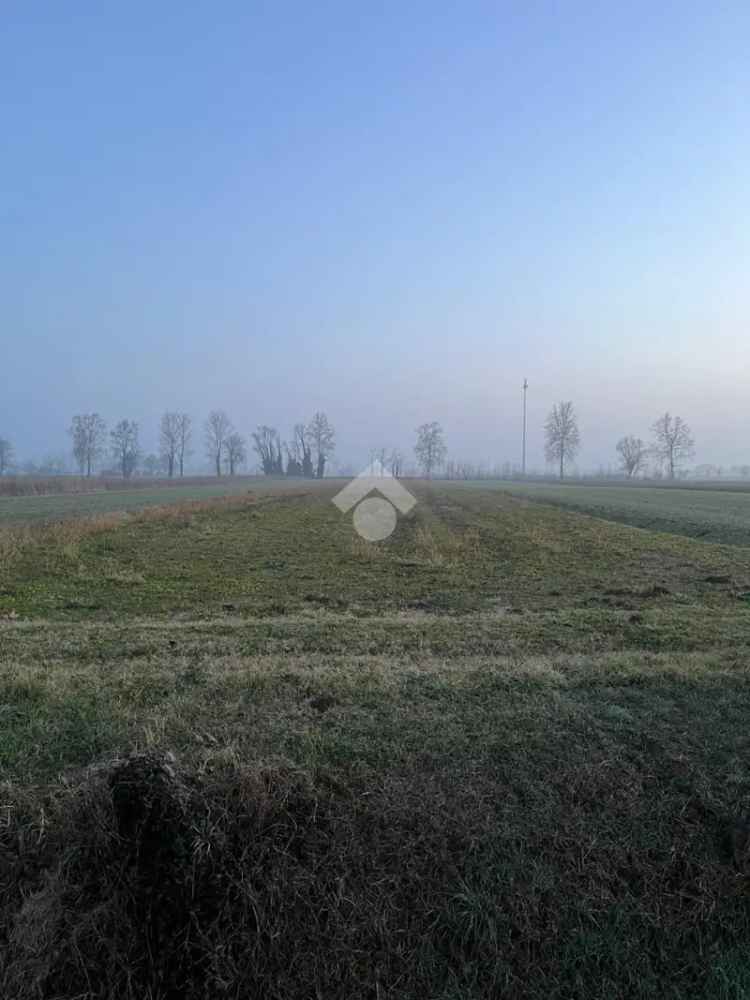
(461, 552)
(500, 754)
(715, 515)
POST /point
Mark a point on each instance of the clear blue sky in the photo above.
(391, 211)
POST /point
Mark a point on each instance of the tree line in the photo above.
(308, 450)
(307, 454)
(672, 443)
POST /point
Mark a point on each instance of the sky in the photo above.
(390, 212)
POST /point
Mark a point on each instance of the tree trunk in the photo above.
(562, 465)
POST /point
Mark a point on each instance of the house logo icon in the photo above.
(375, 517)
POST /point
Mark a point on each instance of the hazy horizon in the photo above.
(393, 216)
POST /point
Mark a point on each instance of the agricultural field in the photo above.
(26, 508)
(714, 513)
(502, 753)
(34, 485)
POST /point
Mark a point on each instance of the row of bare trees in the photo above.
(429, 451)
(311, 446)
(672, 443)
(89, 434)
(224, 445)
(175, 433)
(306, 454)
(91, 443)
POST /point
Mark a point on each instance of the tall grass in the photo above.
(48, 540)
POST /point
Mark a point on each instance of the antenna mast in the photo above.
(523, 459)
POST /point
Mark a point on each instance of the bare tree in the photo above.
(298, 455)
(217, 429)
(125, 449)
(395, 462)
(673, 442)
(300, 436)
(88, 431)
(169, 440)
(267, 445)
(184, 435)
(430, 448)
(633, 454)
(563, 438)
(6, 455)
(293, 459)
(236, 452)
(321, 437)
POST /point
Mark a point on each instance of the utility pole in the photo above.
(523, 459)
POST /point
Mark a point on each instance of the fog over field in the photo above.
(391, 215)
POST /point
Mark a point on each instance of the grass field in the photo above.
(716, 514)
(503, 753)
(58, 506)
(35, 486)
